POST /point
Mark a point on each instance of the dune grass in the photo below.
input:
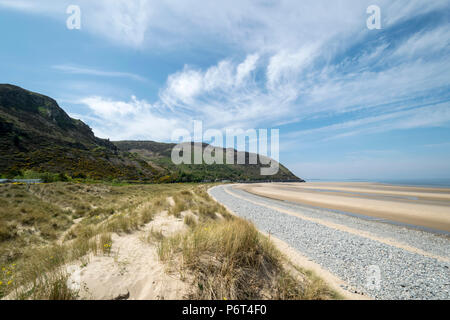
(190, 221)
(229, 259)
(45, 227)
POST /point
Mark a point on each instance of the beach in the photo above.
(423, 207)
(360, 253)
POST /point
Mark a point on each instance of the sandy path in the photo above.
(426, 208)
(132, 269)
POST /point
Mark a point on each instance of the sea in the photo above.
(435, 183)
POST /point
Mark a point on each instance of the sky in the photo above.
(349, 102)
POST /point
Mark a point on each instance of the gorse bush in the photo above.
(44, 176)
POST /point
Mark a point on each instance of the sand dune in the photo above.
(424, 207)
(133, 268)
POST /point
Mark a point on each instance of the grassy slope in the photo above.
(159, 155)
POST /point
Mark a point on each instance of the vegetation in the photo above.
(37, 136)
(44, 227)
(230, 259)
(159, 155)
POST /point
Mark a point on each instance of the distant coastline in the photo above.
(436, 183)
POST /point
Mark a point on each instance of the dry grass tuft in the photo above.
(154, 236)
(105, 243)
(190, 220)
(180, 206)
(231, 259)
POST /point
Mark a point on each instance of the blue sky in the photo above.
(350, 103)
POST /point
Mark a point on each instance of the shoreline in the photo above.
(299, 259)
(444, 184)
(427, 209)
(347, 247)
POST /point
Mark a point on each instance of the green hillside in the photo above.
(158, 155)
(37, 136)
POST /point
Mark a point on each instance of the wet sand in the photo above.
(418, 206)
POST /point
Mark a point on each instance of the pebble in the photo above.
(370, 267)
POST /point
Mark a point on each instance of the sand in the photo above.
(423, 207)
(132, 269)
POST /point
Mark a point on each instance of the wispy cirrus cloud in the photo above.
(279, 24)
(121, 21)
(299, 65)
(95, 72)
(429, 116)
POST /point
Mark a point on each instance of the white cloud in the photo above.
(253, 25)
(123, 21)
(284, 67)
(134, 119)
(110, 108)
(397, 11)
(421, 43)
(222, 94)
(182, 86)
(429, 116)
(245, 69)
(18, 5)
(228, 95)
(95, 72)
(290, 66)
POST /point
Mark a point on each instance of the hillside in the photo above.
(158, 155)
(36, 134)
